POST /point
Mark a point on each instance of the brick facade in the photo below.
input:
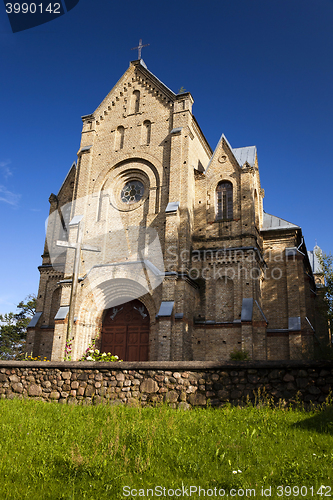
(178, 226)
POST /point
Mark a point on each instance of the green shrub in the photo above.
(239, 355)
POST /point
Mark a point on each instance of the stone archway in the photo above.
(125, 331)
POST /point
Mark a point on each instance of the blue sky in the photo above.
(260, 71)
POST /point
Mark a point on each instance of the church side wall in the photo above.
(286, 297)
(216, 341)
(278, 346)
(40, 338)
(274, 287)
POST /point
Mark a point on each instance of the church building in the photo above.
(159, 248)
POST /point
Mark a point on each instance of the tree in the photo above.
(13, 329)
(326, 262)
(325, 287)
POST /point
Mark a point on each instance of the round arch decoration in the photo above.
(113, 179)
(103, 296)
(150, 165)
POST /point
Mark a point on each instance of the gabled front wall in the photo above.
(144, 131)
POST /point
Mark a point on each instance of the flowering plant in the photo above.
(32, 358)
(68, 350)
(93, 354)
(96, 355)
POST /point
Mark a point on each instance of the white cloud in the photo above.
(9, 197)
(6, 171)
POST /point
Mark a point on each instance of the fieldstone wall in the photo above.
(180, 384)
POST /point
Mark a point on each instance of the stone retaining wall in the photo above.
(180, 384)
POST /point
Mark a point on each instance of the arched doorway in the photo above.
(125, 331)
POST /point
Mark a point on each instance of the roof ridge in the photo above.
(144, 68)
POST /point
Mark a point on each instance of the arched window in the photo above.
(224, 201)
(135, 102)
(120, 137)
(146, 132)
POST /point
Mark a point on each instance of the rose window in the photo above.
(132, 192)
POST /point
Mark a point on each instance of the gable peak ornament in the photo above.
(140, 47)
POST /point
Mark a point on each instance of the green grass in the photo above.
(52, 451)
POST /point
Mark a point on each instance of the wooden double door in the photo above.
(125, 331)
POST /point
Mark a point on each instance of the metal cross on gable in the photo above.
(139, 47)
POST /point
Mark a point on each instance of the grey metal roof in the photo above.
(172, 206)
(34, 319)
(277, 330)
(247, 154)
(76, 219)
(179, 315)
(62, 312)
(247, 310)
(261, 312)
(226, 140)
(153, 268)
(272, 222)
(307, 319)
(294, 324)
(314, 261)
(85, 148)
(143, 63)
(166, 308)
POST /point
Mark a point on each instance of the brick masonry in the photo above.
(179, 384)
(143, 131)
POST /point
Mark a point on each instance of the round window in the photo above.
(132, 192)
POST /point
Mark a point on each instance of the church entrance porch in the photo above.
(125, 331)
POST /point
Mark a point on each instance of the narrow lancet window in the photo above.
(120, 138)
(135, 104)
(224, 201)
(146, 132)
